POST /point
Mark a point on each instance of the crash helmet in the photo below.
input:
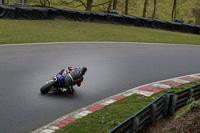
(83, 70)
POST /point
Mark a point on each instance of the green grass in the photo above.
(36, 31)
(186, 109)
(110, 116)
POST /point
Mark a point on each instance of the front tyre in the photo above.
(46, 88)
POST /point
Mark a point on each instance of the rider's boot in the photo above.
(72, 91)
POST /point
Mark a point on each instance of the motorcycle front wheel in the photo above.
(46, 88)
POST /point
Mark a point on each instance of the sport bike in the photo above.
(55, 84)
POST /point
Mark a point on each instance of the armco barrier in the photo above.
(166, 104)
(20, 12)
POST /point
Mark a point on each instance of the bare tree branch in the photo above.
(101, 4)
(81, 2)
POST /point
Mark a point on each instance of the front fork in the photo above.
(54, 88)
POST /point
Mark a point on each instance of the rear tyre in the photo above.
(46, 88)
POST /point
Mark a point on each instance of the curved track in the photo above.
(112, 68)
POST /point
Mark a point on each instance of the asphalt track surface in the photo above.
(112, 68)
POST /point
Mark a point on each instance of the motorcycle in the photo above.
(55, 84)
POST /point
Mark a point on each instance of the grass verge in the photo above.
(191, 105)
(110, 116)
(37, 31)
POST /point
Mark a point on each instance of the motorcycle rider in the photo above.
(73, 77)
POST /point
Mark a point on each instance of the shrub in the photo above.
(190, 101)
(194, 105)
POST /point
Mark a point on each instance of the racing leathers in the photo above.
(72, 77)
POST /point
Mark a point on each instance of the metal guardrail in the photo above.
(166, 104)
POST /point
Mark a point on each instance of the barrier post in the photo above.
(166, 105)
(135, 124)
(191, 93)
(153, 112)
(173, 104)
(1, 2)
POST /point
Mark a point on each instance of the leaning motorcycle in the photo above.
(55, 84)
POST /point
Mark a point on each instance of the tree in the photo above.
(89, 5)
(102, 5)
(126, 7)
(145, 8)
(115, 4)
(109, 4)
(154, 10)
(173, 16)
(78, 3)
